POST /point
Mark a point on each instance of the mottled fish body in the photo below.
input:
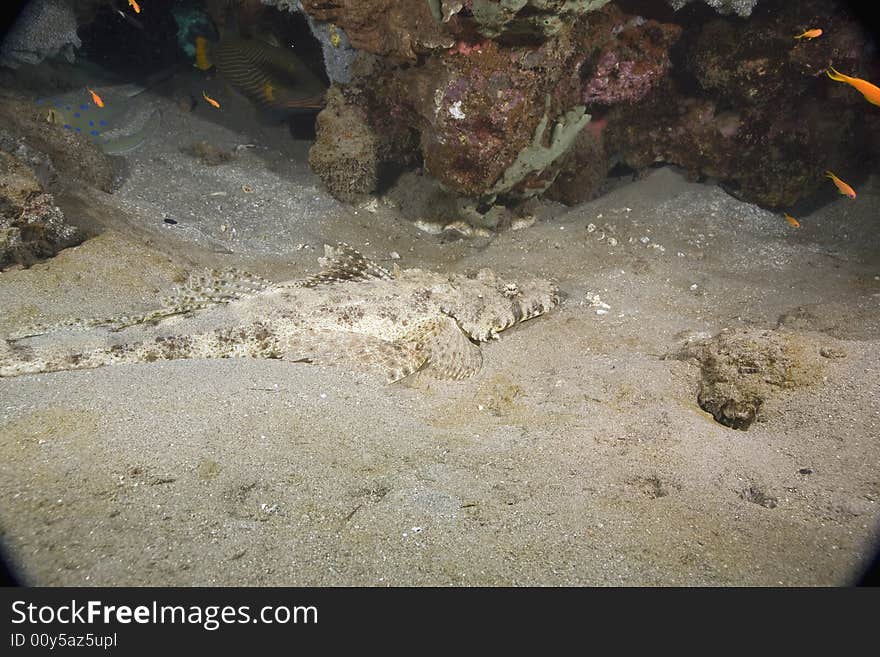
(272, 77)
(353, 312)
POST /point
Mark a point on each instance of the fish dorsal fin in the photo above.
(201, 290)
(268, 38)
(342, 263)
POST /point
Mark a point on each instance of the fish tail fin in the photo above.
(828, 174)
(835, 75)
(203, 55)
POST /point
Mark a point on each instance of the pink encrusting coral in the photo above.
(465, 48)
(616, 82)
(630, 55)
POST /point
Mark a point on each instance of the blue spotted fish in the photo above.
(120, 126)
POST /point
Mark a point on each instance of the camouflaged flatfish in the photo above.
(123, 124)
(354, 312)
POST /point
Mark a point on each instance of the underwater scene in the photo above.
(439, 292)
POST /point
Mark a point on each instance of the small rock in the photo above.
(832, 352)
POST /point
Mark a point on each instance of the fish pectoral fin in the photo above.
(448, 352)
(836, 75)
(201, 290)
(393, 359)
(214, 286)
(436, 346)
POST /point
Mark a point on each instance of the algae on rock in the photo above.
(536, 157)
(540, 17)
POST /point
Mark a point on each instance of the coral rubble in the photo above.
(32, 227)
(738, 7)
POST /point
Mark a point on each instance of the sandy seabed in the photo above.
(578, 455)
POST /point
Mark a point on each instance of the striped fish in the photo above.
(272, 77)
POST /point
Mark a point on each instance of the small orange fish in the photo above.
(96, 99)
(794, 223)
(210, 100)
(810, 34)
(869, 91)
(135, 6)
(842, 187)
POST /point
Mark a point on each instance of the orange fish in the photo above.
(96, 99)
(842, 187)
(810, 34)
(210, 100)
(869, 91)
(135, 6)
(794, 223)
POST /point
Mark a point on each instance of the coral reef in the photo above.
(738, 7)
(623, 58)
(495, 115)
(400, 29)
(629, 56)
(584, 168)
(472, 79)
(336, 47)
(32, 227)
(43, 29)
(752, 108)
(192, 22)
(536, 158)
(483, 111)
(517, 18)
(405, 29)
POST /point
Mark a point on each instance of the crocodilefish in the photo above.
(271, 76)
(120, 126)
